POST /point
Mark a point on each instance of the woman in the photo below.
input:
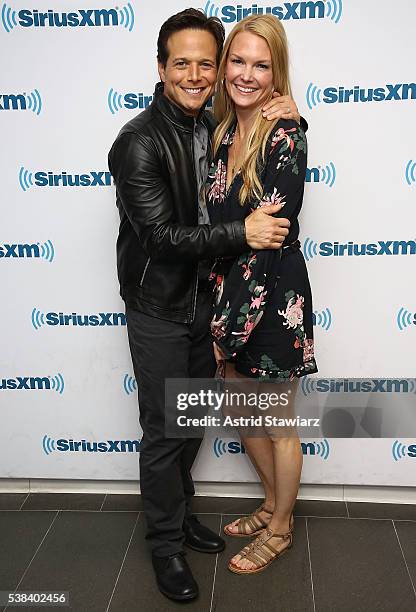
(262, 323)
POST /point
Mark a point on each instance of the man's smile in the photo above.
(193, 91)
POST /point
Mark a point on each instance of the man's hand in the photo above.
(281, 107)
(264, 231)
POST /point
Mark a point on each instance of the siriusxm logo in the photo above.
(28, 251)
(322, 319)
(349, 249)
(101, 319)
(29, 179)
(131, 100)
(400, 450)
(64, 445)
(362, 385)
(322, 174)
(220, 448)
(81, 18)
(129, 384)
(340, 95)
(233, 448)
(409, 172)
(316, 449)
(22, 101)
(231, 13)
(116, 101)
(34, 383)
(405, 318)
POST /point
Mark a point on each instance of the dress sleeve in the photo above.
(242, 293)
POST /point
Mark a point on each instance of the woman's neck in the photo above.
(245, 120)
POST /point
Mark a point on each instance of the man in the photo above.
(165, 246)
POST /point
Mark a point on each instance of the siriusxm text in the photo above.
(89, 320)
(342, 95)
(382, 247)
(108, 446)
(324, 385)
(139, 100)
(19, 250)
(136, 100)
(26, 382)
(308, 448)
(288, 10)
(13, 102)
(65, 179)
(81, 18)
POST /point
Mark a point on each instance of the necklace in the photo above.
(235, 164)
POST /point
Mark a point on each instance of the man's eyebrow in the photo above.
(186, 59)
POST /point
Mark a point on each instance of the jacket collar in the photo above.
(172, 112)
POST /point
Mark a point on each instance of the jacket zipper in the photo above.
(195, 295)
(144, 272)
(196, 280)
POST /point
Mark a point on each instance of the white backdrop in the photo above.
(66, 91)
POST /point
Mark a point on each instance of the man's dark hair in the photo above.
(194, 20)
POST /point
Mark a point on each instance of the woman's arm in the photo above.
(242, 295)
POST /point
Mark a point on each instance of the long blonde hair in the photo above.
(269, 28)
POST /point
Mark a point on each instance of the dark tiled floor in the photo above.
(123, 502)
(345, 557)
(403, 512)
(63, 501)
(12, 501)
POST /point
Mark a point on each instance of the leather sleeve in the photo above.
(304, 124)
(146, 198)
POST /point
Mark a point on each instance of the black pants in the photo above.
(162, 349)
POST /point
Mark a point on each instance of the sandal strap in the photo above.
(263, 509)
(249, 546)
(264, 552)
(261, 551)
(246, 524)
(282, 536)
(253, 521)
(256, 559)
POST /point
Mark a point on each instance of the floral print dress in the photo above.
(263, 305)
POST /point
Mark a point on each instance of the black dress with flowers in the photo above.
(263, 304)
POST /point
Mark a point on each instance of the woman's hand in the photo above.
(281, 107)
(219, 355)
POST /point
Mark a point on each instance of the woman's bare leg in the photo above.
(287, 468)
(260, 451)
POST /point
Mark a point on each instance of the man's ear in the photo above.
(161, 71)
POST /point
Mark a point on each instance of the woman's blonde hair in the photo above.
(269, 28)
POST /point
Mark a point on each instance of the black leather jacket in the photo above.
(160, 242)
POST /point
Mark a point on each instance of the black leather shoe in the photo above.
(174, 577)
(200, 538)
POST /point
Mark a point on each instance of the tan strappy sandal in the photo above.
(255, 533)
(262, 553)
(247, 548)
(250, 525)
